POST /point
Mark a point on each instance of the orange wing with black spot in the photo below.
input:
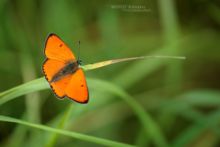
(72, 85)
(56, 49)
(50, 68)
(77, 87)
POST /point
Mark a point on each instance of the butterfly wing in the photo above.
(50, 68)
(58, 54)
(56, 49)
(77, 88)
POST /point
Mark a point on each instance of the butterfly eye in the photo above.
(79, 62)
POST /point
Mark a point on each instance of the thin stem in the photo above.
(108, 62)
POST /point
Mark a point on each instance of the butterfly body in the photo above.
(70, 68)
(62, 71)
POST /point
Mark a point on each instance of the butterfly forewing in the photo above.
(56, 49)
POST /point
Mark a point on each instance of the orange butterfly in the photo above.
(62, 71)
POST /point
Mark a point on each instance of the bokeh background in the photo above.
(180, 98)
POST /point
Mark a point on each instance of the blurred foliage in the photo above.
(153, 102)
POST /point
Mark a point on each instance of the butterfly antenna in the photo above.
(78, 58)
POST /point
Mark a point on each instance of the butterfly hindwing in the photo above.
(50, 68)
(77, 88)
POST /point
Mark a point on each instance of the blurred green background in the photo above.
(155, 102)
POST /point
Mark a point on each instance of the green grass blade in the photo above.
(75, 135)
(32, 86)
(109, 62)
(54, 136)
(190, 134)
(150, 127)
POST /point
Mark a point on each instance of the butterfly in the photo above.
(63, 72)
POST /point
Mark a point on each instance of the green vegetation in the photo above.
(150, 102)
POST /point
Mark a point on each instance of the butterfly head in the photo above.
(79, 62)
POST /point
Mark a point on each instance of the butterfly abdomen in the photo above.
(69, 68)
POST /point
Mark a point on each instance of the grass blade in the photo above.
(109, 62)
(75, 135)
